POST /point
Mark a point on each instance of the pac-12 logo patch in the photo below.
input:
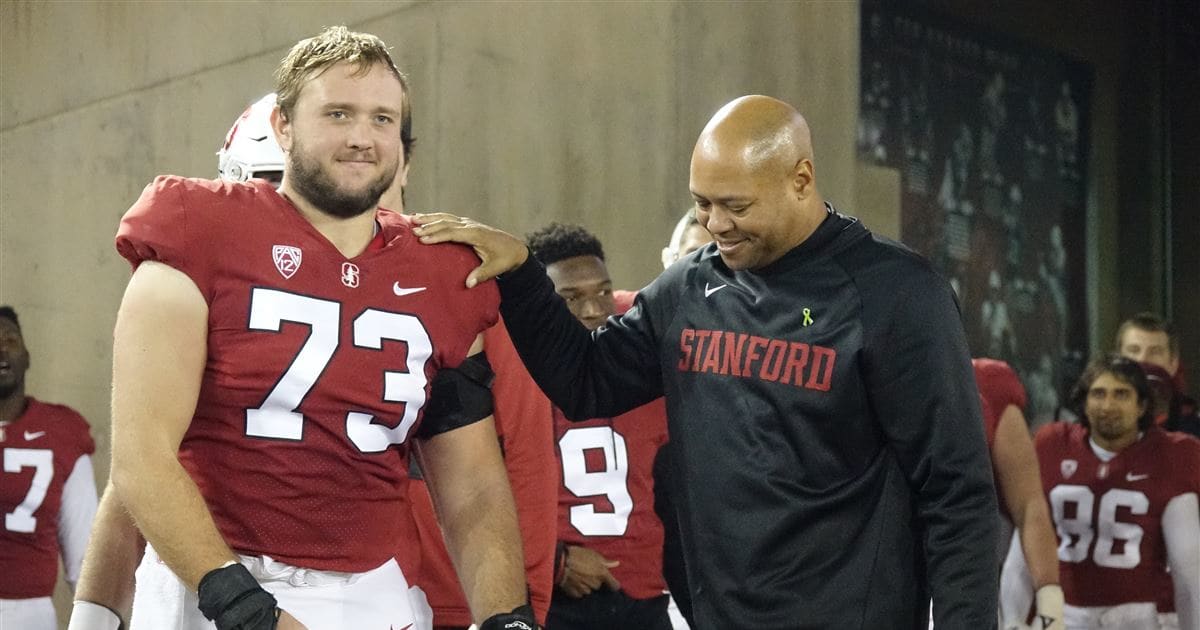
(1068, 467)
(350, 274)
(287, 259)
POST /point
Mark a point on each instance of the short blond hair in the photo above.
(310, 57)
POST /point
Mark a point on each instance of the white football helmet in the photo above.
(250, 149)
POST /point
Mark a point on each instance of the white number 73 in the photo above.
(277, 416)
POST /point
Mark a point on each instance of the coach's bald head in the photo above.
(753, 180)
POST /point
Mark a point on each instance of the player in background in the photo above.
(1022, 503)
(47, 490)
(266, 463)
(251, 152)
(610, 540)
(1123, 495)
(104, 598)
(687, 237)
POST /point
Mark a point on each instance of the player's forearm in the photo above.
(1038, 543)
(485, 544)
(167, 507)
(112, 557)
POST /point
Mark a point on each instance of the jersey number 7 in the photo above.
(21, 519)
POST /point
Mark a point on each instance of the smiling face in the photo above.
(749, 209)
(753, 181)
(1113, 408)
(343, 138)
(14, 359)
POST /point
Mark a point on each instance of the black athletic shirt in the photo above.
(833, 471)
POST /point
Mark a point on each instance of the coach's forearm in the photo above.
(168, 509)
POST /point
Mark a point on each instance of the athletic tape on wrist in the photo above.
(232, 599)
(92, 616)
(521, 618)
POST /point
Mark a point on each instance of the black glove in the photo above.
(521, 618)
(232, 598)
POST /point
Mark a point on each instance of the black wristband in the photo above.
(231, 598)
(521, 618)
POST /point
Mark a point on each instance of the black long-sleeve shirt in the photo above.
(832, 466)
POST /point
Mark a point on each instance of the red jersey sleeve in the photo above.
(999, 387)
(161, 227)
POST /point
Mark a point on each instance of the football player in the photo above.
(266, 471)
(47, 490)
(687, 237)
(250, 150)
(1014, 465)
(1123, 495)
(105, 594)
(609, 571)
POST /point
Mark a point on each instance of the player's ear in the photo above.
(402, 176)
(283, 129)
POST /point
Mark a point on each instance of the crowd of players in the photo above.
(1107, 526)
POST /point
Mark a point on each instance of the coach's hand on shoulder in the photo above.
(499, 250)
(585, 571)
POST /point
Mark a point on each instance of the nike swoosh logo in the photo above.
(709, 291)
(1133, 477)
(33, 436)
(401, 291)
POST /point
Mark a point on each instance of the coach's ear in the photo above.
(283, 129)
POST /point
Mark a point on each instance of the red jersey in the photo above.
(522, 415)
(999, 386)
(1109, 514)
(318, 366)
(40, 449)
(606, 502)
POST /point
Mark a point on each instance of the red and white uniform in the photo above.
(48, 498)
(318, 366)
(1113, 514)
(522, 415)
(606, 501)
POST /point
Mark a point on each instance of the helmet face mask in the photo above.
(250, 149)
